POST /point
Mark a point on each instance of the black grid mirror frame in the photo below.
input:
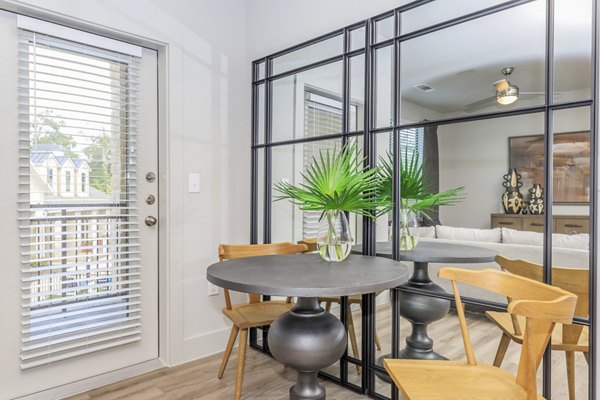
(263, 79)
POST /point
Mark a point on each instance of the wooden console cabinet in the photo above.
(567, 224)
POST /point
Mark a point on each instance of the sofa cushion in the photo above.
(427, 232)
(513, 236)
(578, 242)
(468, 234)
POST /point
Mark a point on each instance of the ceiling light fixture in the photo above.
(506, 93)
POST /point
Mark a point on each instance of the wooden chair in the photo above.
(541, 305)
(311, 244)
(568, 338)
(254, 313)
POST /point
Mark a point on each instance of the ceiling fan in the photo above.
(506, 93)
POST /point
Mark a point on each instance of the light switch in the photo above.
(194, 182)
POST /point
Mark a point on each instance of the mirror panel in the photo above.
(384, 29)
(357, 38)
(308, 103)
(260, 113)
(260, 195)
(357, 93)
(383, 86)
(289, 223)
(572, 50)
(384, 143)
(570, 241)
(450, 73)
(440, 11)
(310, 54)
(260, 70)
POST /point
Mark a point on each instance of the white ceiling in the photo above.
(463, 61)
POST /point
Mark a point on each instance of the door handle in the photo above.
(150, 220)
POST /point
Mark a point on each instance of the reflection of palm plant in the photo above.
(416, 192)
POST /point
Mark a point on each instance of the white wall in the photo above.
(475, 155)
(274, 25)
(208, 132)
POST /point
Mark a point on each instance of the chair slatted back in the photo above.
(233, 251)
(542, 305)
(574, 280)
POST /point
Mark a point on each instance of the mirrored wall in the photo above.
(493, 97)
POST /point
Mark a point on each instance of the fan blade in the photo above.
(476, 105)
(501, 85)
(540, 93)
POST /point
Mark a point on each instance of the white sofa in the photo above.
(568, 251)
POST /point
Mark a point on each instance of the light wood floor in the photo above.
(266, 379)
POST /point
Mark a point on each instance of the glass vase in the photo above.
(334, 239)
(409, 229)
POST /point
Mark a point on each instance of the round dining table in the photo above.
(421, 310)
(307, 338)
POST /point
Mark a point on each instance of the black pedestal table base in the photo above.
(307, 339)
(420, 311)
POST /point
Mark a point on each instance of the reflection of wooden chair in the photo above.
(311, 244)
(567, 338)
(541, 305)
(254, 313)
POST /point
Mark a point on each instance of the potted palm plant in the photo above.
(336, 183)
(416, 195)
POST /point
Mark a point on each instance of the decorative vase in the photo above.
(512, 199)
(409, 229)
(536, 200)
(334, 240)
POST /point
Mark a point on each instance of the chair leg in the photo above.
(352, 334)
(239, 378)
(587, 357)
(502, 347)
(570, 358)
(230, 343)
(377, 340)
(327, 306)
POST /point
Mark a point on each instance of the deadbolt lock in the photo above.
(150, 220)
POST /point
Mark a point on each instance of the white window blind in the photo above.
(80, 252)
(322, 116)
(411, 140)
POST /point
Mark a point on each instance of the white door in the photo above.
(78, 136)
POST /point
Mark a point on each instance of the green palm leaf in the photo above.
(337, 180)
(416, 192)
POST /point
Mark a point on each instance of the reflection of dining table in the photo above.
(421, 310)
(307, 338)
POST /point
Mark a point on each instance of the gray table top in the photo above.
(307, 275)
(437, 253)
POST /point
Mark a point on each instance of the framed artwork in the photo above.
(571, 164)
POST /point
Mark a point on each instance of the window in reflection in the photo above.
(291, 100)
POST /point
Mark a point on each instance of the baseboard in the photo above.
(200, 346)
(84, 385)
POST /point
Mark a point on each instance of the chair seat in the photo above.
(450, 380)
(252, 315)
(504, 322)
